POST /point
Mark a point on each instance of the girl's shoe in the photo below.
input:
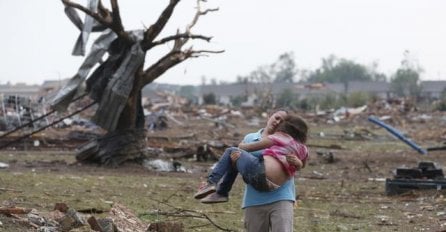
(204, 190)
(214, 198)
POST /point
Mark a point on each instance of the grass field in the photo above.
(346, 195)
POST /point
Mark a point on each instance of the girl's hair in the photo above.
(295, 126)
(271, 112)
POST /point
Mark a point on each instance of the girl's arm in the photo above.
(265, 142)
(293, 160)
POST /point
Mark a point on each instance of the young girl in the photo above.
(288, 139)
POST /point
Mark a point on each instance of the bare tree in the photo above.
(117, 82)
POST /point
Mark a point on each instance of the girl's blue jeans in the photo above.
(251, 168)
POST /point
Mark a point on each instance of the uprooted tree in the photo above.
(116, 83)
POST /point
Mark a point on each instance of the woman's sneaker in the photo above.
(204, 190)
(214, 198)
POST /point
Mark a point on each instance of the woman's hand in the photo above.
(234, 157)
(293, 160)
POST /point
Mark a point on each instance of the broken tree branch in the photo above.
(112, 21)
(184, 213)
(116, 16)
(177, 55)
(181, 41)
(14, 210)
(105, 21)
(158, 26)
(169, 138)
(163, 64)
(11, 190)
(178, 36)
(168, 61)
(197, 15)
(197, 53)
(105, 13)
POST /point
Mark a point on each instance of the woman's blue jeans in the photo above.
(249, 166)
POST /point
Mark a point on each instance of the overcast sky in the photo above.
(37, 37)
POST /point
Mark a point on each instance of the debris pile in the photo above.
(63, 218)
(425, 176)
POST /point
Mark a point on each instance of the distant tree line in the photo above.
(404, 82)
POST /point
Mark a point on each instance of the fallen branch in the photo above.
(183, 213)
(332, 146)
(187, 136)
(10, 190)
(14, 210)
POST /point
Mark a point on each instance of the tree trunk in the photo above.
(126, 143)
(114, 148)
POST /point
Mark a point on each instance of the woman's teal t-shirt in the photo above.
(252, 197)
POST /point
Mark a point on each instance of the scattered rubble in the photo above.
(172, 111)
(64, 218)
(426, 176)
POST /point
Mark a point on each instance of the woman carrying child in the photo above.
(288, 139)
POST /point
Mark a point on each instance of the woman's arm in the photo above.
(265, 142)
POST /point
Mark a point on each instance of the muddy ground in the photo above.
(346, 193)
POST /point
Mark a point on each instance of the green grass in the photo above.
(326, 205)
(146, 195)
